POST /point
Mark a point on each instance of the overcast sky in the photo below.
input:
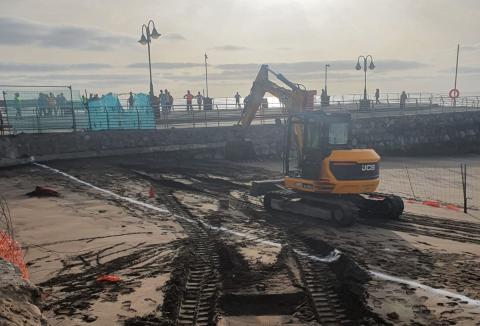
(92, 44)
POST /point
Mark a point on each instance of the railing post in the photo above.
(73, 109)
(205, 111)
(218, 116)
(89, 118)
(463, 170)
(262, 114)
(108, 119)
(6, 113)
(138, 117)
(193, 118)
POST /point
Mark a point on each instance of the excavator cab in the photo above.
(319, 144)
(321, 133)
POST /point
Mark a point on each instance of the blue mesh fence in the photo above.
(62, 110)
(107, 113)
(38, 110)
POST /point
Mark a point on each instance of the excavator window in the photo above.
(314, 135)
(338, 133)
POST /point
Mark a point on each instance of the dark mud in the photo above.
(75, 291)
(322, 290)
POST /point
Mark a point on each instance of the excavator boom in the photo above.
(295, 99)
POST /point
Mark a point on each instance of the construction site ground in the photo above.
(190, 246)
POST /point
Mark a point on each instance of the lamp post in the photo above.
(206, 73)
(365, 103)
(326, 68)
(147, 39)
(371, 66)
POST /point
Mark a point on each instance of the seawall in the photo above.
(441, 133)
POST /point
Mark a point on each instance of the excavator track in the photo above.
(335, 208)
(381, 206)
(343, 210)
(197, 304)
(318, 281)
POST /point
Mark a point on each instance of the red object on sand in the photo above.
(432, 203)
(109, 278)
(151, 192)
(43, 192)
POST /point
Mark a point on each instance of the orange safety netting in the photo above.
(10, 251)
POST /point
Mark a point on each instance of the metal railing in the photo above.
(77, 116)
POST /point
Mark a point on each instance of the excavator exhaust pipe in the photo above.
(239, 150)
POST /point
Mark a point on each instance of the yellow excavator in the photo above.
(330, 179)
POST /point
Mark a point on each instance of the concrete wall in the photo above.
(416, 134)
(442, 133)
(201, 142)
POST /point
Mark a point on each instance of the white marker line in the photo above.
(441, 292)
(331, 257)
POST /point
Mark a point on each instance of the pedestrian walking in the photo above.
(42, 104)
(169, 101)
(189, 98)
(18, 105)
(377, 96)
(61, 105)
(199, 98)
(52, 103)
(237, 101)
(131, 101)
(403, 100)
(324, 98)
(163, 100)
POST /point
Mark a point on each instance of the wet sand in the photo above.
(72, 239)
(71, 235)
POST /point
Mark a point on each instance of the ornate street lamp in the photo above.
(146, 38)
(365, 103)
(371, 66)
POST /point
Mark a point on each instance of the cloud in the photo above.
(15, 31)
(166, 65)
(174, 37)
(107, 81)
(470, 47)
(467, 70)
(45, 67)
(319, 66)
(229, 48)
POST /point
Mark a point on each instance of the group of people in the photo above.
(47, 105)
(51, 105)
(164, 101)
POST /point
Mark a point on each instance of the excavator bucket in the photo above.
(239, 150)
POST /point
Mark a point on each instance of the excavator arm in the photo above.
(294, 99)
